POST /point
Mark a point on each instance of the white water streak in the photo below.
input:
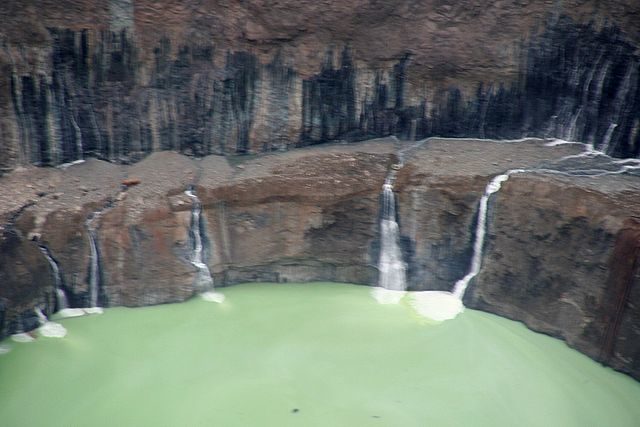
(571, 132)
(78, 137)
(481, 229)
(61, 298)
(94, 269)
(391, 266)
(42, 319)
(607, 138)
(204, 280)
(67, 165)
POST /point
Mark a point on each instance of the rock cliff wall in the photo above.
(565, 265)
(561, 252)
(121, 79)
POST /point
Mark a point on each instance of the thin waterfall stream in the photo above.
(94, 265)
(607, 138)
(62, 302)
(481, 229)
(204, 281)
(61, 298)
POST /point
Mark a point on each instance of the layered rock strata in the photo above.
(121, 79)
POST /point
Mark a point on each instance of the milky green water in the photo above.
(305, 355)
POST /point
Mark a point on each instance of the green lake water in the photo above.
(305, 355)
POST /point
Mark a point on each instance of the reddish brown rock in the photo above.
(144, 237)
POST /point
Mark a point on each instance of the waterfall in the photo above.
(42, 319)
(94, 269)
(607, 138)
(481, 229)
(391, 265)
(570, 135)
(78, 138)
(441, 305)
(47, 328)
(61, 298)
(204, 281)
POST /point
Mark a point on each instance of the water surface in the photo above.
(305, 355)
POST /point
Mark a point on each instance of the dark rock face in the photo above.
(624, 332)
(564, 266)
(623, 267)
(261, 83)
(27, 284)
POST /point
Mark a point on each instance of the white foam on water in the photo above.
(211, 296)
(52, 330)
(70, 312)
(436, 305)
(387, 296)
(77, 312)
(93, 310)
(22, 337)
(4, 349)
